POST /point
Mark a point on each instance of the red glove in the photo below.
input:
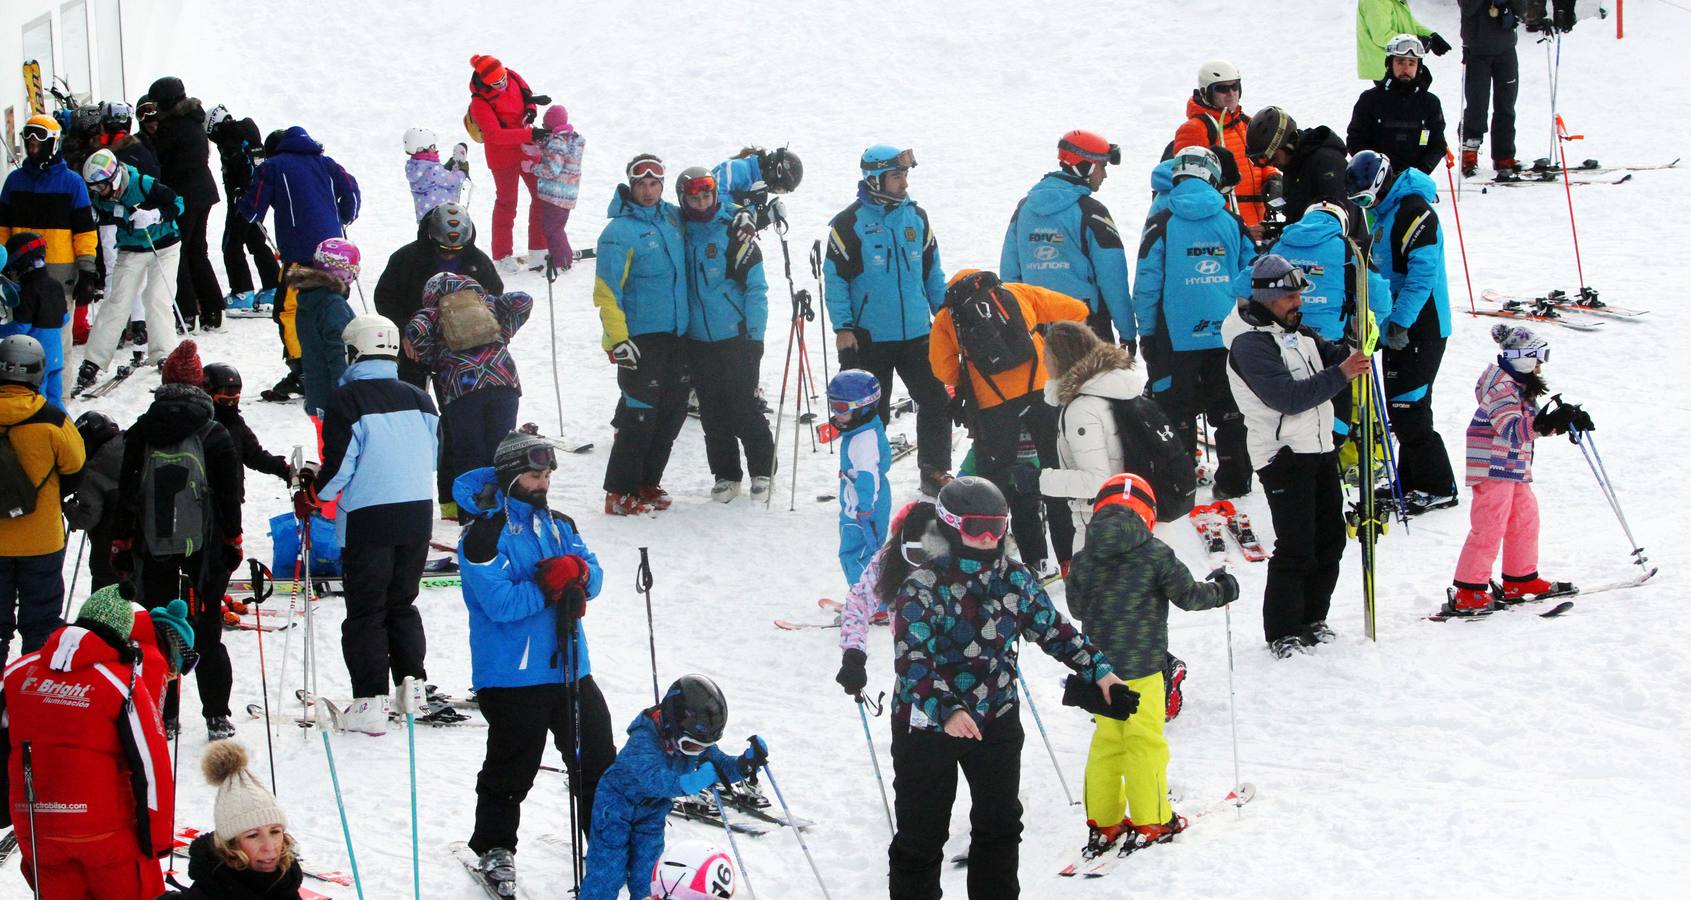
(305, 503)
(556, 574)
(123, 562)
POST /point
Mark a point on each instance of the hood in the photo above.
(1313, 139)
(434, 292)
(1116, 532)
(1195, 199)
(477, 494)
(1162, 177)
(1099, 374)
(622, 206)
(307, 279)
(74, 647)
(187, 108)
(1423, 81)
(1409, 182)
(1054, 193)
(371, 370)
(178, 410)
(18, 403)
(167, 92)
(295, 140)
(1248, 315)
(1310, 231)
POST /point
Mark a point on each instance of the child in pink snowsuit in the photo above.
(1500, 446)
(558, 180)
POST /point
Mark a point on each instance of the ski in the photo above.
(690, 809)
(186, 835)
(1586, 301)
(1538, 312)
(472, 864)
(8, 844)
(902, 446)
(578, 256)
(1543, 165)
(747, 799)
(244, 625)
(334, 584)
(104, 387)
(1238, 525)
(786, 625)
(1107, 863)
(1210, 526)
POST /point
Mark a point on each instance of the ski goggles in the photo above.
(227, 399)
(691, 746)
(975, 526)
(906, 159)
(1111, 156)
(914, 553)
(38, 132)
(1540, 353)
(146, 111)
(541, 458)
(1291, 281)
(842, 409)
(645, 167)
(703, 184)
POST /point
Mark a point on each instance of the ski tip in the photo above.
(1557, 610)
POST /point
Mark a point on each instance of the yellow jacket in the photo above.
(48, 447)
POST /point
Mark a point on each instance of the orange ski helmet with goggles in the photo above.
(1131, 491)
(1079, 151)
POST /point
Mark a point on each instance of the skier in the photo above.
(250, 855)
(1311, 163)
(913, 538)
(48, 455)
(446, 242)
(148, 248)
(557, 179)
(1414, 334)
(956, 621)
(240, 148)
(223, 383)
(378, 464)
(184, 152)
(43, 195)
(881, 312)
(670, 752)
(1120, 589)
(1500, 452)
(1400, 117)
(865, 494)
(1491, 76)
(640, 287)
(1088, 376)
(93, 508)
(528, 576)
(1377, 22)
(727, 310)
(1283, 378)
(1006, 394)
(1061, 238)
(1188, 256)
(432, 183)
(116, 137)
(502, 113)
(1215, 119)
(753, 174)
(38, 307)
(321, 315)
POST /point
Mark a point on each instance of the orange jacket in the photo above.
(1039, 307)
(1201, 127)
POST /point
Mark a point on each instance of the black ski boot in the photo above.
(138, 332)
(499, 867)
(286, 389)
(87, 375)
(219, 728)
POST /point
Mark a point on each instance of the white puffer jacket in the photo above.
(1283, 382)
(1088, 444)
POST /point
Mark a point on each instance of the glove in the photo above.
(744, 225)
(1553, 421)
(145, 218)
(305, 503)
(307, 475)
(288, 473)
(232, 554)
(1579, 418)
(123, 561)
(1397, 337)
(1085, 694)
(1229, 585)
(1437, 44)
(557, 574)
(1150, 351)
(529, 114)
(461, 153)
(625, 354)
(86, 289)
(540, 100)
(755, 757)
(539, 135)
(851, 675)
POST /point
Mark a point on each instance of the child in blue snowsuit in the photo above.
(865, 494)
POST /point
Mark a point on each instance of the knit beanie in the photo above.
(174, 633)
(1272, 277)
(182, 366)
(516, 454)
(1522, 350)
(557, 118)
(242, 801)
(488, 69)
(107, 608)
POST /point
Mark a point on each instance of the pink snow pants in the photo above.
(1503, 512)
(505, 211)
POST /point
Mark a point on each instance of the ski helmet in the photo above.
(22, 361)
(419, 139)
(222, 382)
(693, 872)
(1131, 491)
(523, 451)
(45, 130)
(104, 172)
(1217, 72)
(1271, 129)
(1078, 151)
(693, 713)
(1521, 350)
(646, 165)
(372, 336)
(338, 257)
(449, 227)
(692, 181)
(1367, 178)
(1197, 162)
(24, 251)
(115, 116)
(882, 158)
(854, 396)
(973, 506)
(96, 429)
(218, 115)
(781, 168)
(1407, 46)
(1334, 210)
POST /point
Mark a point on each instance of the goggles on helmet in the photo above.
(645, 167)
(975, 526)
(914, 552)
(38, 132)
(541, 458)
(906, 159)
(842, 409)
(1288, 282)
(704, 184)
(1541, 353)
(1111, 156)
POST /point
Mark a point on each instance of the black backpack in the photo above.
(990, 329)
(176, 497)
(18, 492)
(1151, 449)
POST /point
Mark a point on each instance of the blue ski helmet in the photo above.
(883, 158)
(1367, 178)
(853, 397)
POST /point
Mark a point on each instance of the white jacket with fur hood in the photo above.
(1088, 444)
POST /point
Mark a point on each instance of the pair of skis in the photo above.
(1447, 613)
(827, 605)
(1555, 308)
(1214, 521)
(1095, 862)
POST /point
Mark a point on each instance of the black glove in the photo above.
(1229, 585)
(539, 134)
(851, 675)
(529, 114)
(1131, 346)
(1151, 351)
(1579, 418)
(86, 288)
(1124, 702)
(1397, 337)
(1437, 44)
(1553, 421)
(1085, 694)
(307, 475)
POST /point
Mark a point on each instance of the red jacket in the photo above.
(102, 764)
(505, 118)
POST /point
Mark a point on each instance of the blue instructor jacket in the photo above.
(1062, 238)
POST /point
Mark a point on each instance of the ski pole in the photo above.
(261, 591)
(75, 573)
(552, 331)
(322, 714)
(181, 322)
(1567, 187)
(359, 285)
(797, 832)
(1595, 460)
(821, 309)
(874, 760)
(1033, 708)
(29, 802)
(643, 585)
(734, 845)
(1232, 701)
(572, 695)
(1378, 407)
(1461, 243)
(411, 694)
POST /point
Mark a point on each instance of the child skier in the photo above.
(671, 752)
(321, 314)
(1500, 445)
(914, 539)
(38, 309)
(558, 182)
(854, 398)
(1119, 587)
(431, 182)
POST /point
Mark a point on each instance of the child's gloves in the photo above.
(755, 757)
(1229, 585)
(1085, 694)
(851, 676)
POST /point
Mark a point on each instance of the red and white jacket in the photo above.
(101, 761)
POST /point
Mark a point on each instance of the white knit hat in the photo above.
(242, 802)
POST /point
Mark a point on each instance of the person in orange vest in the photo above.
(1215, 119)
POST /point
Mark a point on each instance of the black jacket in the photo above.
(41, 299)
(129, 149)
(214, 880)
(1483, 34)
(1316, 171)
(240, 148)
(399, 292)
(183, 149)
(179, 410)
(1391, 117)
(94, 505)
(252, 453)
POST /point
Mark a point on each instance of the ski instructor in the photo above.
(501, 117)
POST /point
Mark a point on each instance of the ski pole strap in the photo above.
(643, 575)
(262, 583)
(876, 706)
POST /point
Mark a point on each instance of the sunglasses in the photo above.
(704, 184)
(976, 526)
(1225, 87)
(645, 168)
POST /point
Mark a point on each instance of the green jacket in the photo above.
(1378, 21)
(1120, 585)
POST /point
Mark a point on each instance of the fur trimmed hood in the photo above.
(1100, 373)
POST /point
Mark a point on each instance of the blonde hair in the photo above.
(234, 857)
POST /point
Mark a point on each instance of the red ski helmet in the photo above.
(1131, 491)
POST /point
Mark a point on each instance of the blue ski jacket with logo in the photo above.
(1062, 238)
(882, 270)
(1188, 257)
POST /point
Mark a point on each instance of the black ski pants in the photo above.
(518, 720)
(933, 405)
(197, 293)
(32, 589)
(1197, 382)
(924, 783)
(383, 632)
(725, 376)
(1306, 504)
(998, 430)
(649, 414)
(1491, 80)
(240, 238)
(1422, 463)
(201, 580)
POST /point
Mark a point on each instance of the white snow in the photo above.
(1511, 757)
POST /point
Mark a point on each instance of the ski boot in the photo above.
(1173, 700)
(1522, 588)
(1286, 647)
(760, 488)
(1418, 502)
(286, 389)
(724, 491)
(933, 480)
(1146, 835)
(1470, 158)
(1319, 633)
(138, 333)
(499, 867)
(87, 375)
(219, 728)
(655, 496)
(625, 505)
(1467, 600)
(230, 620)
(1101, 840)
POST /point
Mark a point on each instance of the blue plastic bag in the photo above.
(284, 543)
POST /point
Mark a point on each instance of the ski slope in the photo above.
(1509, 757)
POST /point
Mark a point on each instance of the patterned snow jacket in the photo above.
(458, 372)
(431, 182)
(1500, 436)
(955, 623)
(557, 173)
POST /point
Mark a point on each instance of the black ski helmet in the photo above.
(782, 169)
(693, 708)
(1271, 129)
(96, 429)
(222, 380)
(449, 227)
(970, 495)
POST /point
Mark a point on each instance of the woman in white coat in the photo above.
(1085, 375)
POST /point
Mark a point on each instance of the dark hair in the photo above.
(894, 567)
(1533, 386)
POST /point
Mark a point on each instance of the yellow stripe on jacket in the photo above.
(608, 300)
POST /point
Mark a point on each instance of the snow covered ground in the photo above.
(1510, 757)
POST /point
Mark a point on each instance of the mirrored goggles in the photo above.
(1542, 354)
(976, 525)
(645, 168)
(704, 184)
(906, 159)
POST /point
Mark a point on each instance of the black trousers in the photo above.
(1197, 382)
(1101, 325)
(924, 783)
(100, 571)
(649, 414)
(1306, 504)
(383, 632)
(518, 720)
(933, 405)
(998, 431)
(240, 238)
(1494, 81)
(1422, 463)
(197, 293)
(725, 376)
(163, 579)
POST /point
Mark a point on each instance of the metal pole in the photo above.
(1232, 699)
(643, 585)
(791, 823)
(346, 830)
(733, 845)
(552, 330)
(892, 831)
(1045, 737)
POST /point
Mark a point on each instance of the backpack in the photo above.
(466, 322)
(1151, 449)
(991, 332)
(176, 497)
(18, 492)
(471, 128)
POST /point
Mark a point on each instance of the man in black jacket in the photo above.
(240, 147)
(1400, 116)
(1311, 163)
(184, 155)
(1491, 77)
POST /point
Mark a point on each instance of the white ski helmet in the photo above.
(1216, 70)
(694, 872)
(1406, 45)
(418, 140)
(371, 335)
(1198, 162)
